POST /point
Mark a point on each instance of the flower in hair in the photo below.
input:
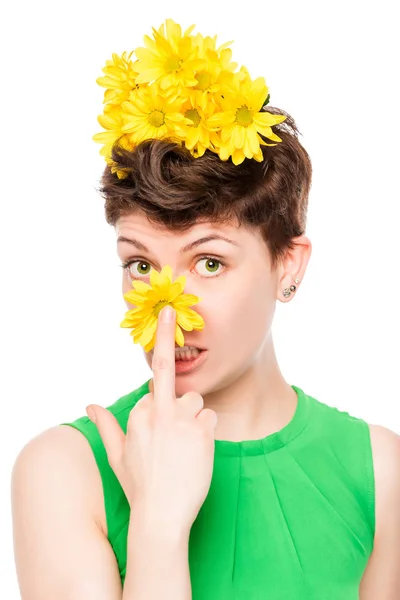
(184, 88)
(152, 114)
(150, 299)
(240, 120)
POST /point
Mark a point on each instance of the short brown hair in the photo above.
(175, 190)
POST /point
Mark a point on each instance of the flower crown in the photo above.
(184, 88)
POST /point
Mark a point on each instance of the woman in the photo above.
(215, 479)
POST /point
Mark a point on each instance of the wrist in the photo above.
(153, 527)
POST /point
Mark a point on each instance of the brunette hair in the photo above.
(175, 190)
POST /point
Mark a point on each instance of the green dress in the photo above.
(290, 516)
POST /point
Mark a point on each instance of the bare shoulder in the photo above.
(55, 496)
(381, 578)
(73, 452)
(385, 445)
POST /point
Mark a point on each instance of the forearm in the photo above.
(157, 563)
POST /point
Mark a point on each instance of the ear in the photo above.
(294, 264)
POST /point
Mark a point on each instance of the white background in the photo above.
(332, 66)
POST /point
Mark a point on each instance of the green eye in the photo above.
(141, 263)
(214, 262)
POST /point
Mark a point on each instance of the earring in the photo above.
(287, 291)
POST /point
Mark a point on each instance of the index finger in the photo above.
(163, 363)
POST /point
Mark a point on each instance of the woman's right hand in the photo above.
(165, 461)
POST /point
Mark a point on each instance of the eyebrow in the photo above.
(186, 248)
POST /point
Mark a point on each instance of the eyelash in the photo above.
(127, 264)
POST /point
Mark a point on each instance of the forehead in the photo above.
(139, 223)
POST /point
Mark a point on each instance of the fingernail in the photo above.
(167, 314)
(91, 414)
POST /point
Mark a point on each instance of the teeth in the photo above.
(186, 353)
(183, 348)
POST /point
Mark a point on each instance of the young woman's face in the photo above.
(238, 292)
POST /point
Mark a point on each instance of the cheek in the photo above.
(242, 323)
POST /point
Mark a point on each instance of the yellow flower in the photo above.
(151, 114)
(240, 120)
(112, 122)
(120, 78)
(197, 135)
(150, 299)
(218, 68)
(171, 58)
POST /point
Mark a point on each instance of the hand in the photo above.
(164, 463)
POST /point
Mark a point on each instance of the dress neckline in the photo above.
(273, 441)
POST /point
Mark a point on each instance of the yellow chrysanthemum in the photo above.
(197, 135)
(171, 58)
(120, 78)
(112, 122)
(151, 114)
(240, 120)
(150, 299)
(218, 66)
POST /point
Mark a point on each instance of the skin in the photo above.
(240, 378)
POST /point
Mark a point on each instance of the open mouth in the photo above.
(187, 360)
(185, 365)
(187, 353)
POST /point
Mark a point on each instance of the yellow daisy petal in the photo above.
(224, 152)
(162, 280)
(149, 331)
(180, 340)
(247, 150)
(227, 132)
(150, 346)
(176, 288)
(141, 286)
(182, 318)
(238, 137)
(265, 118)
(134, 297)
(126, 323)
(196, 320)
(155, 278)
(186, 300)
(253, 140)
(238, 156)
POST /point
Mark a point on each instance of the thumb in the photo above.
(110, 432)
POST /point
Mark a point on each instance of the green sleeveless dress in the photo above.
(287, 517)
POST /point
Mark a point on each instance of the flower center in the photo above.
(173, 63)
(159, 306)
(193, 114)
(203, 80)
(244, 116)
(156, 118)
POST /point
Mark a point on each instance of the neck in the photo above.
(256, 403)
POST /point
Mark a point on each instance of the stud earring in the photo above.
(287, 291)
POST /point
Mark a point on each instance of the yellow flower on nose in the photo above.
(150, 299)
